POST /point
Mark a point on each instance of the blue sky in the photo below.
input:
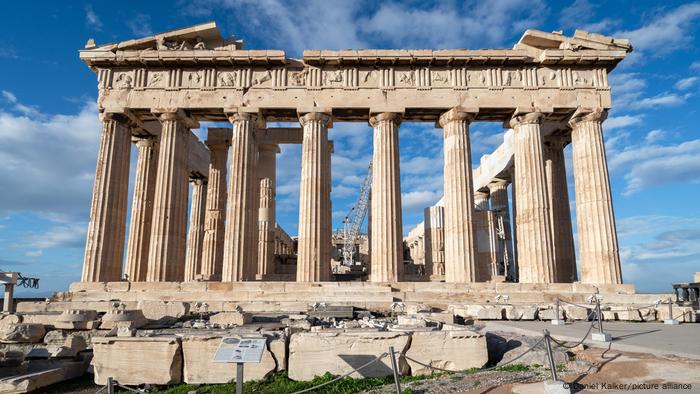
(49, 131)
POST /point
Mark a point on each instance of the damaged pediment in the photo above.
(582, 40)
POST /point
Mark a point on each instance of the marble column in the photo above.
(241, 214)
(387, 235)
(142, 209)
(599, 260)
(328, 228)
(166, 254)
(195, 238)
(267, 173)
(434, 236)
(560, 214)
(535, 244)
(218, 141)
(314, 198)
(481, 201)
(498, 190)
(104, 249)
(514, 224)
(460, 233)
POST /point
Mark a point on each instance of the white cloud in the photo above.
(91, 18)
(634, 227)
(695, 65)
(9, 96)
(417, 201)
(34, 253)
(665, 33)
(686, 83)
(64, 235)
(140, 25)
(655, 136)
(660, 100)
(580, 14)
(616, 122)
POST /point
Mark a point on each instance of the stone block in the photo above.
(647, 314)
(11, 358)
(411, 320)
(684, 314)
(548, 313)
(413, 308)
(22, 333)
(72, 345)
(231, 318)
(521, 312)
(315, 353)
(35, 380)
(163, 313)
(443, 317)
(134, 318)
(453, 350)
(198, 352)
(575, 313)
(609, 315)
(628, 315)
(139, 360)
(490, 312)
(77, 319)
(48, 319)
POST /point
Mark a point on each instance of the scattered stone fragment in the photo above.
(224, 319)
(132, 361)
(21, 333)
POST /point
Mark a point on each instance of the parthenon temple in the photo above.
(506, 220)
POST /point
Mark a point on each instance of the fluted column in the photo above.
(460, 233)
(498, 190)
(241, 214)
(328, 222)
(514, 198)
(142, 209)
(218, 142)
(481, 201)
(104, 249)
(166, 255)
(387, 234)
(313, 200)
(560, 214)
(195, 238)
(267, 173)
(535, 245)
(434, 236)
(599, 259)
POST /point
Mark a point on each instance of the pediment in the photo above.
(582, 40)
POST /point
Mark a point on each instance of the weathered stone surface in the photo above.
(10, 319)
(314, 353)
(413, 308)
(575, 313)
(77, 319)
(133, 318)
(411, 320)
(490, 312)
(521, 312)
(452, 350)
(231, 318)
(504, 347)
(21, 333)
(48, 319)
(56, 373)
(163, 313)
(11, 358)
(198, 352)
(549, 313)
(628, 315)
(139, 360)
(681, 313)
(72, 345)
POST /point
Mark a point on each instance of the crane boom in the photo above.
(354, 219)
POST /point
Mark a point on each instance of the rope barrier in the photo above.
(478, 370)
(571, 303)
(563, 343)
(343, 376)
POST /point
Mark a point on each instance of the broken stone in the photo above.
(163, 313)
(22, 333)
(521, 312)
(628, 315)
(231, 318)
(11, 358)
(452, 350)
(417, 307)
(549, 313)
(10, 319)
(315, 353)
(77, 319)
(134, 318)
(490, 312)
(125, 330)
(575, 312)
(198, 355)
(138, 360)
(411, 320)
(55, 373)
(72, 345)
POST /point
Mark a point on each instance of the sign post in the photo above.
(240, 350)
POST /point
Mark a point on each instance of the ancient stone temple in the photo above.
(549, 91)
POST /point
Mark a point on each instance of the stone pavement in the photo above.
(653, 338)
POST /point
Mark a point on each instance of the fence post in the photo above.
(395, 370)
(110, 385)
(553, 385)
(557, 321)
(670, 320)
(600, 336)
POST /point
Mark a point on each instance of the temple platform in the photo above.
(295, 296)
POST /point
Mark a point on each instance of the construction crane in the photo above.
(354, 219)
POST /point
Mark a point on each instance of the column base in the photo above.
(672, 322)
(558, 322)
(601, 337)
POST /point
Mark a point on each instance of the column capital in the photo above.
(142, 141)
(239, 116)
(385, 116)
(534, 117)
(588, 115)
(198, 180)
(497, 183)
(269, 148)
(457, 113)
(165, 114)
(322, 117)
(114, 116)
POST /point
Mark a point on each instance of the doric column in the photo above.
(514, 223)
(314, 198)
(460, 234)
(166, 254)
(535, 246)
(142, 209)
(195, 238)
(241, 215)
(218, 142)
(434, 236)
(267, 173)
(104, 249)
(328, 223)
(598, 249)
(481, 201)
(498, 190)
(387, 234)
(560, 214)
